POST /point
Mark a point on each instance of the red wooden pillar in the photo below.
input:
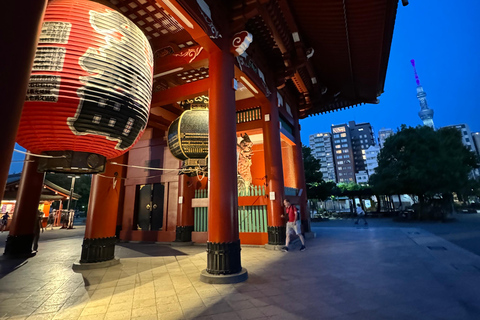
(300, 176)
(185, 219)
(104, 204)
(274, 172)
(20, 238)
(223, 246)
(23, 19)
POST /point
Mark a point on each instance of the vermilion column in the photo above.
(23, 19)
(185, 219)
(223, 246)
(300, 175)
(20, 238)
(105, 194)
(274, 171)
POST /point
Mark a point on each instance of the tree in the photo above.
(423, 162)
(317, 188)
(354, 190)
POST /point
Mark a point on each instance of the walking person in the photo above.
(293, 225)
(51, 219)
(360, 214)
(36, 230)
(4, 221)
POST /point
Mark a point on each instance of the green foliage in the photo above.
(311, 166)
(353, 190)
(423, 162)
(317, 188)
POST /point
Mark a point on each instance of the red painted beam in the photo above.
(179, 60)
(179, 93)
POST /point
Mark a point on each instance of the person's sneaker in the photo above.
(285, 249)
(302, 248)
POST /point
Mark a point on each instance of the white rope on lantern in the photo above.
(141, 167)
(39, 155)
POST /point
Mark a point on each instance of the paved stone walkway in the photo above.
(346, 273)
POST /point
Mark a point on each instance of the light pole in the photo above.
(70, 226)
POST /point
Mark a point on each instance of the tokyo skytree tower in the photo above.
(425, 113)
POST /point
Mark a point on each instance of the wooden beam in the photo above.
(176, 10)
(153, 123)
(247, 103)
(165, 114)
(179, 60)
(179, 93)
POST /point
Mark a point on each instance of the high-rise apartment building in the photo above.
(350, 143)
(362, 138)
(372, 162)
(383, 134)
(321, 145)
(469, 141)
(467, 138)
(476, 141)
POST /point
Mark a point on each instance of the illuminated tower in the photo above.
(425, 113)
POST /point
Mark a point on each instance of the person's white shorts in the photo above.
(294, 227)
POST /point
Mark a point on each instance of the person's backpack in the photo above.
(299, 216)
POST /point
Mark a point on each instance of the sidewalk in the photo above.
(346, 273)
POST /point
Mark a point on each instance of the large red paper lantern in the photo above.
(89, 94)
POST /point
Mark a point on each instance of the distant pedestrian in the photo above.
(360, 214)
(4, 221)
(71, 217)
(51, 219)
(36, 230)
(293, 225)
(64, 219)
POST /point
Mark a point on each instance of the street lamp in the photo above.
(70, 199)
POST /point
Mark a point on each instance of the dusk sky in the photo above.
(443, 38)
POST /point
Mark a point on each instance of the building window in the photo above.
(338, 151)
(337, 146)
(340, 162)
(336, 136)
(345, 151)
(339, 157)
(344, 145)
(343, 135)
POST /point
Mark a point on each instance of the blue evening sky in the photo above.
(444, 39)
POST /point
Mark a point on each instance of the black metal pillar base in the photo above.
(223, 258)
(98, 250)
(19, 245)
(276, 235)
(224, 264)
(183, 234)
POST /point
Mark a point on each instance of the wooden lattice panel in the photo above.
(149, 16)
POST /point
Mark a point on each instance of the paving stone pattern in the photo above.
(345, 273)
